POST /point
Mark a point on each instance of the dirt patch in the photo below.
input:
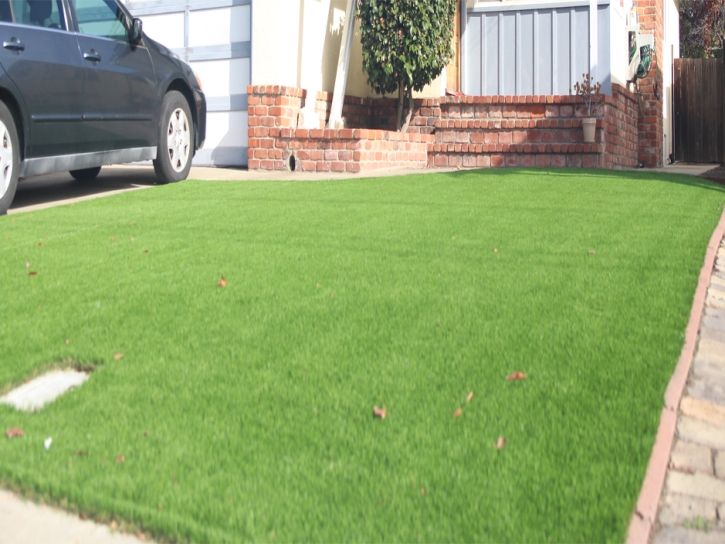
(716, 174)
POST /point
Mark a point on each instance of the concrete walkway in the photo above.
(692, 505)
(26, 522)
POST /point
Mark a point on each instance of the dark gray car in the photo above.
(81, 86)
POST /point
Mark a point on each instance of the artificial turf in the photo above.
(245, 412)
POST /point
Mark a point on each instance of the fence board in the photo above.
(699, 109)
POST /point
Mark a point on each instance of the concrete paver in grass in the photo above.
(692, 505)
(44, 389)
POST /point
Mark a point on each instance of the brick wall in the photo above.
(651, 141)
(275, 142)
(621, 132)
(532, 131)
(457, 131)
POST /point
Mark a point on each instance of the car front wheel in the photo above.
(9, 159)
(176, 139)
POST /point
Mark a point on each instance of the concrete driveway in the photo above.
(59, 189)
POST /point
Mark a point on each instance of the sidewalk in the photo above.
(22, 521)
(692, 505)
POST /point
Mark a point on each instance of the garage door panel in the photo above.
(223, 77)
(215, 26)
(167, 29)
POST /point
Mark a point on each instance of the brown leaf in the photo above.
(458, 413)
(469, 397)
(67, 341)
(380, 412)
(141, 536)
(40, 243)
(495, 250)
(14, 431)
(81, 453)
(113, 238)
(592, 252)
(32, 273)
(118, 356)
(121, 459)
(332, 295)
(422, 491)
(145, 250)
(113, 526)
(131, 239)
(222, 282)
(82, 516)
(516, 376)
(500, 443)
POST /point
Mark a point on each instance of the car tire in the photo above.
(176, 139)
(9, 158)
(86, 174)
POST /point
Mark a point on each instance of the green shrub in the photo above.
(406, 44)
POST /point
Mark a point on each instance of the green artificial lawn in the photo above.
(245, 412)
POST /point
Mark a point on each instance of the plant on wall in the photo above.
(406, 44)
(702, 28)
(591, 93)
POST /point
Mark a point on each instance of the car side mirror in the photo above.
(135, 34)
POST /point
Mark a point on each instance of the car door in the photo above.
(119, 79)
(42, 58)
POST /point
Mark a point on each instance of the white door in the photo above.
(215, 37)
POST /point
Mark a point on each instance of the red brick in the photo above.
(497, 160)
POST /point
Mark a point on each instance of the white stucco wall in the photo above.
(297, 43)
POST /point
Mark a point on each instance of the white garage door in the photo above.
(215, 37)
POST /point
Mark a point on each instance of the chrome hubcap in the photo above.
(178, 140)
(6, 159)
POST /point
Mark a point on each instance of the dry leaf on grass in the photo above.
(27, 264)
(40, 244)
(32, 273)
(222, 282)
(13, 432)
(516, 376)
(592, 252)
(458, 413)
(422, 491)
(469, 397)
(67, 341)
(81, 453)
(145, 250)
(380, 412)
(113, 238)
(121, 459)
(495, 250)
(118, 356)
(500, 443)
(131, 239)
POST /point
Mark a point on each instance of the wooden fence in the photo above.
(698, 104)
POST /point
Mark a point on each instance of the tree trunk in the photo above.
(411, 106)
(401, 96)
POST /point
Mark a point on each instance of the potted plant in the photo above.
(590, 91)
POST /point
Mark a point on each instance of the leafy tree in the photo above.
(702, 27)
(406, 44)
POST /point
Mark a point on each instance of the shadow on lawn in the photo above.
(703, 182)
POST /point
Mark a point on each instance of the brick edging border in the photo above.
(643, 519)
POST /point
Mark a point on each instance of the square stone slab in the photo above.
(35, 394)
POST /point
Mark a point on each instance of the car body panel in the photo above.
(120, 95)
(78, 113)
(50, 60)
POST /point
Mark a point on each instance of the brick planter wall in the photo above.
(457, 131)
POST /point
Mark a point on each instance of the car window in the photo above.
(45, 13)
(102, 18)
